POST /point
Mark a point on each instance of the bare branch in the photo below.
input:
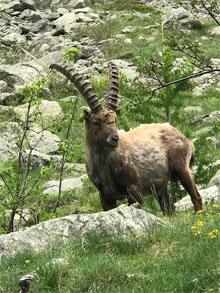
(65, 154)
(7, 186)
(174, 82)
(210, 13)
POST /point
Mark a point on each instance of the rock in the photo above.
(9, 132)
(47, 111)
(35, 16)
(210, 194)
(41, 26)
(75, 167)
(13, 38)
(14, 5)
(127, 41)
(199, 90)
(45, 43)
(6, 98)
(37, 159)
(27, 4)
(52, 187)
(208, 118)
(19, 74)
(203, 130)
(215, 32)
(180, 16)
(190, 109)
(67, 21)
(90, 17)
(129, 71)
(215, 181)
(43, 140)
(5, 110)
(213, 141)
(212, 117)
(63, 11)
(69, 4)
(124, 221)
(21, 217)
(128, 29)
(3, 86)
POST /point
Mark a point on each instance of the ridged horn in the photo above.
(112, 95)
(82, 85)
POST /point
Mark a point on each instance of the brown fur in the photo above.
(141, 162)
(135, 163)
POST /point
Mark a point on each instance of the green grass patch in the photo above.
(182, 258)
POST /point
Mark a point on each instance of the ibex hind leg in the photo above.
(166, 202)
(189, 185)
(107, 203)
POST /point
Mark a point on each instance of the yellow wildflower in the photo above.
(213, 236)
(199, 232)
(200, 223)
(164, 218)
(210, 234)
(215, 205)
(193, 227)
(137, 236)
(200, 212)
(27, 261)
(215, 231)
(195, 234)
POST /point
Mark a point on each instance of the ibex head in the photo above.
(100, 121)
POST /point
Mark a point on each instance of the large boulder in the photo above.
(180, 16)
(19, 74)
(124, 221)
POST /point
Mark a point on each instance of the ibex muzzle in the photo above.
(140, 161)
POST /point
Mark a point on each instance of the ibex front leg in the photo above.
(134, 196)
(108, 203)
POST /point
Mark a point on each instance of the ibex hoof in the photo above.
(135, 205)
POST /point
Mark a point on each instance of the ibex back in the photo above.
(138, 162)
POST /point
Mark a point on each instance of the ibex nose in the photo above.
(115, 138)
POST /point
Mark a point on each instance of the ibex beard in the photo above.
(135, 163)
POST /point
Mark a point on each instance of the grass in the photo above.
(182, 258)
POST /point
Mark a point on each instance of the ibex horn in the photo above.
(112, 95)
(82, 85)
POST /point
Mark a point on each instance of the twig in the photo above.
(210, 13)
(176, 81)
(7, 186)
(64, 155)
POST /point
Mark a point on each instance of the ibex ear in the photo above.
(86, 115)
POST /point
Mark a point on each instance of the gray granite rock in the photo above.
(124, 221)
(47, 111)
(215, 181)
(52, 187)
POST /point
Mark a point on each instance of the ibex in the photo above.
(131, 164)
